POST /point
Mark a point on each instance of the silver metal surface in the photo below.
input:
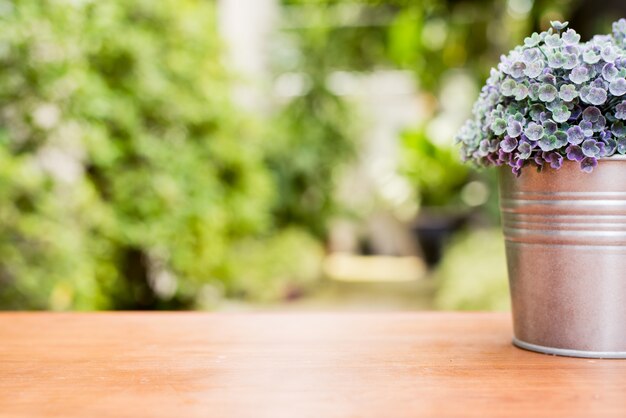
(569, 353)
(565, 234)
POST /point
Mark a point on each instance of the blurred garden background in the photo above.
(252, 154)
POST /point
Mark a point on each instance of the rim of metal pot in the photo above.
(569, 353)
(614, 157)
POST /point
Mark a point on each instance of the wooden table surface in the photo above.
(291, 365)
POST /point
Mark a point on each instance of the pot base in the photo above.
(569, 353)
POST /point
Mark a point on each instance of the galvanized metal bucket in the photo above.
(565, 234)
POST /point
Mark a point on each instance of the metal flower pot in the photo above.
(565, 234)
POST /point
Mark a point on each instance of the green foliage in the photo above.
(427, 37)
(313, 136)
(278, 268)
(122, 162)
(435, 170)
(311, 146)
(473, 275)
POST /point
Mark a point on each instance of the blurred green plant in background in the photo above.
(315, 133)
(435, 170)
(127, 178)
(130, 180)
(472, 275)
(265, 270)
(310, 145)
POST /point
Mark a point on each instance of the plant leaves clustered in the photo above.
(550, 100)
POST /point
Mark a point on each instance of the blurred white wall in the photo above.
(388, 103)
(246, 27)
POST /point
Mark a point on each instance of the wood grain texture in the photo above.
(290, 365)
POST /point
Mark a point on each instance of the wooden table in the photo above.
(291, 365)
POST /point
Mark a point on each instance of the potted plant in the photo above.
(552, 117)
(438, 178)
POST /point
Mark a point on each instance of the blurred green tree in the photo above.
(314, 133)
(431, 38)
(127, 178)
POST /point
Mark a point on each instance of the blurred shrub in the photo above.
(314, 132)
(310, 145)
(282, 267)
(127, 178)
(435, 170)
(473, 274)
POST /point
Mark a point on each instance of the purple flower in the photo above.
(608, 54)
(598, 125)
(587, 127)
(554, 158)
(517, 69)
(532, 40)
(508, 144)
(483, 148)
(553, 99)
(534, 68)
(507, 87)
(618, 129)
(492, 159)
(561, 114)
(516, 163)
(520, 91)
(535, 111)
(561, 139)
(599, 83)
(548, 77)
(547, 93)
(590, 148)
(574, 153)
(531, 55)
(570, 37)
(597, 96)
(590, 56)
(558, 25)
(620, 110)
(571, 61)
(514, 128)
(524, 149)
(617, 87)
(609, 72)
(575, 135)
(548, 143)
(553, 41)
(579, 74)
(588, 164)
(557, 60)
(605, 135)
(591, 114)
(498, 126)
(568, 92)
(549, 127)
(583, 93)
(610, 146)
(576, 112)
(533, 131)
